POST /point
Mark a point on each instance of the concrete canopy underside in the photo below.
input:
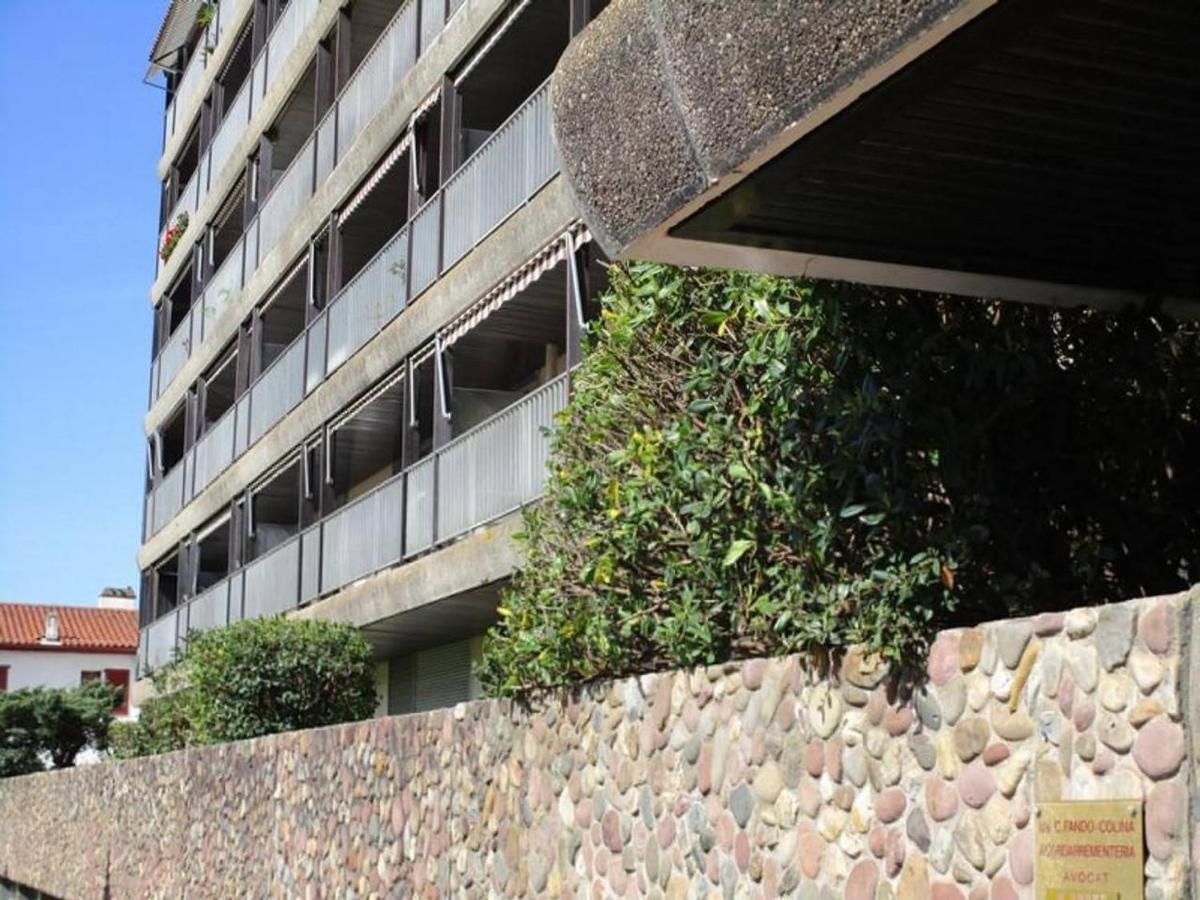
(1039, 150)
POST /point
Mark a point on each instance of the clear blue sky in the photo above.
(78, 204)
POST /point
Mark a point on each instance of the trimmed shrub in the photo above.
(52, 725)
(253, 678)
(754, 465)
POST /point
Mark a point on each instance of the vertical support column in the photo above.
(259, 28)
(190, 420)
(326, 74)
(265, 172)
(451, 131)
(443, 380)
(186, 571)
(342, 49)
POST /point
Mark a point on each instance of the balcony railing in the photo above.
(494, 468)
(168, 496)
(189, 91)
(375, 80)
(381, 290)
(212, 454)
(283, 39)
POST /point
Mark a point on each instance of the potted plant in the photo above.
(171, 238)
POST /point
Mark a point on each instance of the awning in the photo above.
(542, 262)
(382, 169)
(173, 33)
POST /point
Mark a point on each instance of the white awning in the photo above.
(541, 263)
(382, 169)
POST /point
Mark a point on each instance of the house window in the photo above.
(85, 677)
(119, 678)
(3, 679)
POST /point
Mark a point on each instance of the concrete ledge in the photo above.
(702, 90)
(481, 558)
(535, 224)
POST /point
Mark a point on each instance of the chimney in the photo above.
(51, 635)
(117, 598)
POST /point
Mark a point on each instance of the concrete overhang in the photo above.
(443, 596)
(1038, 150)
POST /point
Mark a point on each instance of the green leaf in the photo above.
(736, 551)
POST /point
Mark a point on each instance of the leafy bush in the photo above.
(754, 465)
(256, 677)
(40, 725)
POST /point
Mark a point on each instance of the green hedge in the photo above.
(40, 726)
(252, 678)
(754, 465)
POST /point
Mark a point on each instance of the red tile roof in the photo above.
(80, 628)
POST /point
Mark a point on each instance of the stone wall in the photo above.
(758, 779)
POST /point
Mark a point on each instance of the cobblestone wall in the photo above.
(760, 779)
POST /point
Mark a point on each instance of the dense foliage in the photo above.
(40, 726)
(255, 677)
(754, 465)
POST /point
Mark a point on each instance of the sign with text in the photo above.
(1089, 850)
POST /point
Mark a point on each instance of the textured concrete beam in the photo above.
(660, 105)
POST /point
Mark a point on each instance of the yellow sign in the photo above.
(1089, 850)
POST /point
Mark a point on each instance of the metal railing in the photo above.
(389, 60)
(399, 272)
(272, 582)
(277, 389)
(161, 639)
(364, 536)
(168, 496)
(485, 473)
(384, 66)
(285, 34)
(510, 166)
(212, 453)
(373, 298)
(209, 610)
(286, 199)
(176, 351)
(230, 131)
(229, 13)
(224, 285)
(498, 465)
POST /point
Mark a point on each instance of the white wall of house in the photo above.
(59, 668)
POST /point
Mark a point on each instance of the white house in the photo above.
(64, 646)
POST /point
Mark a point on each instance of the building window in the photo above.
(119, 678)
(3, 679)
(85, 677)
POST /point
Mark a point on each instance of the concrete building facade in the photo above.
(370, 293)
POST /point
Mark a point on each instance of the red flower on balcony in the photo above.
(171, 238)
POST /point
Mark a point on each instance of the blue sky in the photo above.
(78, 205)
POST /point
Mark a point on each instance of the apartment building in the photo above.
(370, 292)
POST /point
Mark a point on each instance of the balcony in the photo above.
(514, 164)
(488, 471)
(476, 198)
